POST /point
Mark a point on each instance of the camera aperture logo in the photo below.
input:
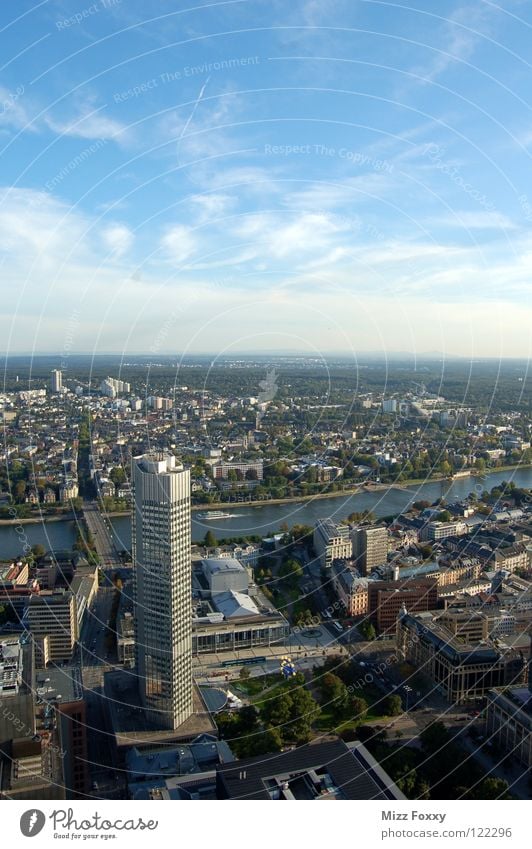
(32, 822)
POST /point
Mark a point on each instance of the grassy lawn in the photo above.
(269, 692)
(328, 721)
(253, 686)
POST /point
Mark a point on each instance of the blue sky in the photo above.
(320, 175)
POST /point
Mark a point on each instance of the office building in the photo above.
(461, 668)
(53, 615)
(315, 771)
(509, 722)
(61, 711)
(331, 542)
(370, 547)
(31, 762)
(351, 589)
(238, 471)
(161, 542)
(56, 381)
(386, 598)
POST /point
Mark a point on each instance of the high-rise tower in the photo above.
(56, 380)
(161, 540)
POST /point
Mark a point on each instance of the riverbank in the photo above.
(403, 486)
(40, 520)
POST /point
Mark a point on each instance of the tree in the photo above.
(393, 705)
(334, 692)
(292, 711)
(368, 630)
(291, 569)
(248, 718)
(117, 475)
(38, 550)
(422, 789)
(359, 709)
(305, 710)
(434, 737)
(210, 540)
(20, 491)
(255, 743)
(276, 711)
(491, 788)
(244, 673)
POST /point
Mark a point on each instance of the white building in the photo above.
(111, 387)
(56, 380)
(331, 542)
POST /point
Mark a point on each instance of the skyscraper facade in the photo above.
(161, 540)
(56, 380)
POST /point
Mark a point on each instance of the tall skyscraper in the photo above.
(57, 380)
(161, 539)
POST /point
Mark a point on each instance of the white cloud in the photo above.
(178, 243)
(89, 125)
(13, 112)
(214, 205)
(118, 239)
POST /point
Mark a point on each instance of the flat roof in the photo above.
(128, 719)
(59, 683)
(352, 771)
(216, 565)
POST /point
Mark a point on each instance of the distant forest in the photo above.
(499, 385)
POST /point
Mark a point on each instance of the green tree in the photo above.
(38, 550)
(490, 788)
(434, 737)
(19, 491)
(210, 540)
(305, 711)
(258, 742)
(117, 475)
(368, 630)
(334, 693)
(248, 718)
(292, 711)
(393, 705)
(291, 570)
(359, 709)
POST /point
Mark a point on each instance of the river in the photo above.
(269, 517)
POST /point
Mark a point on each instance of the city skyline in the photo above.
(338, 175)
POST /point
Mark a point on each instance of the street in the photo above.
(103, 538)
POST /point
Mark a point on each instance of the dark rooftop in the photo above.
(323, 770)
